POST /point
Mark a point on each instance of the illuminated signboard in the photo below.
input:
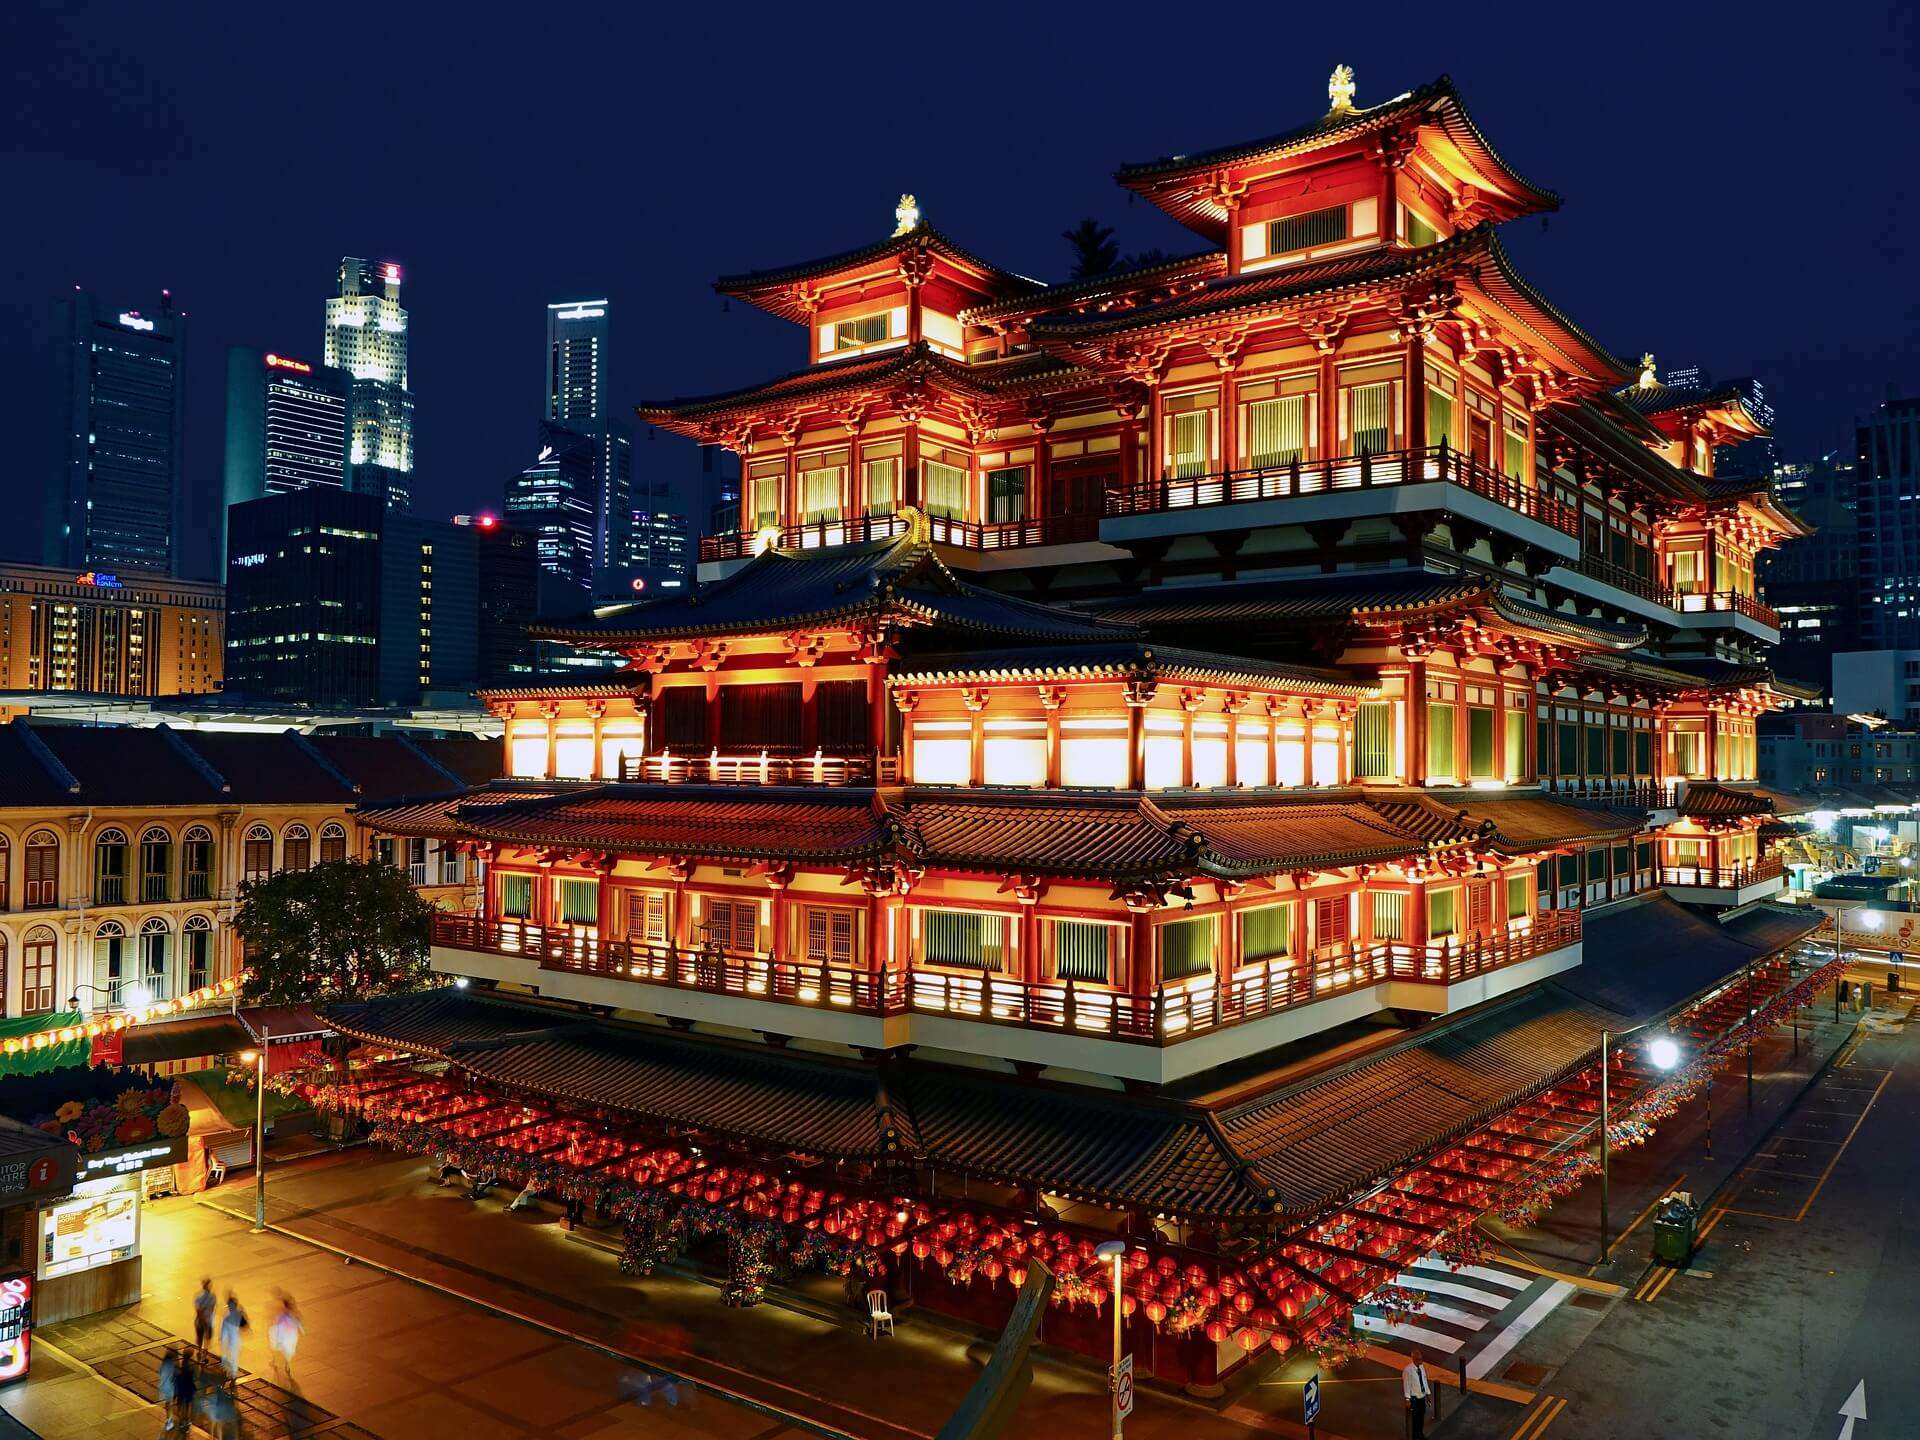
(16, 1327)
(90, 1230)
(582, 312)
(100, 579)
(393, 273)
(131, 319)
(246, 562)
(282, 362)
(130, 1158)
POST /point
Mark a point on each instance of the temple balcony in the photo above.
(970, 537)
(1724, 884)
(759, 768)
(1727, 609)
(1346, 488)
(1595, 578)
(1661, 798)
(1173, 1030)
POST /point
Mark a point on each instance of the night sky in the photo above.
(1738, 179)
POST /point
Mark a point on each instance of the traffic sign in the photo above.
(1310, 1400)
(1123, 1388)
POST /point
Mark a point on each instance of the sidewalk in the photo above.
(809, 1364)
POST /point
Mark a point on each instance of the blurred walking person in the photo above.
(232, 1325)
(203, 1303)
(163, 1385)
(283, 1338)
(180, 1402)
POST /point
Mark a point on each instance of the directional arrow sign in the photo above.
(1854, 1409)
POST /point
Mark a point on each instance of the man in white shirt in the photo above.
(1418, 1389)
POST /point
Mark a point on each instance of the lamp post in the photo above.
(1664, 1055)
(1115, 1251)
(259, 1057)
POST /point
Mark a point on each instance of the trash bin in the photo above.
(1893, 981)
(1673, 1228)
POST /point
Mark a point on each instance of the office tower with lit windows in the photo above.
(558, 500)
(578, 333)
(335, 600)
(367, 338)
(1886, 479)
(116, 498)
(286, 426)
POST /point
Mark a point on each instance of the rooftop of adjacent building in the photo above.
(128, 586)
(42, 764)
(230, 712)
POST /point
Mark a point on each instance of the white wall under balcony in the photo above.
(1727, 895)
(1567, 578)
(733, 1012)
(1477, 989)
(1407, 499)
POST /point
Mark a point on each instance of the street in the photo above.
(1802, 1291)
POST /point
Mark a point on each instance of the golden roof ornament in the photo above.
(1340, 89)
(1649, 380)
(906, 216)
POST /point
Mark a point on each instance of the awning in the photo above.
(188, 1038)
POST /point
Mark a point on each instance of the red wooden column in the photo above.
(1139, 695)
(1140, 977)
(603, 917)
(1416, 380)
(1052, 697)
(1417, 722)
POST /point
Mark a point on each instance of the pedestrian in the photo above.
(231, 1325)
(222, 1411)
(180, 1402)
(163, 1384)
(283, 1337)
(203, 1303)
(1418, 1390)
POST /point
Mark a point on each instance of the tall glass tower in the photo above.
(120, 409)
(577, 336)
(367, 338)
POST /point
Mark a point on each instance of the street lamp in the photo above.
(258, 1059)
(1663, 1054)
(1115, 1250)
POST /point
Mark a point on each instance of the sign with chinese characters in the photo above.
(128, 1158)
(16, 1327)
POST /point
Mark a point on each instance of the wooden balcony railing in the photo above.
(1731, 602)
(967, 534)
(762, 768)
(1355, 472)
(1621, 578)
(1170, 1013)
(1723, 877)
(1646, 794)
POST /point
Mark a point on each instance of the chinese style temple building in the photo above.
(1197, 754)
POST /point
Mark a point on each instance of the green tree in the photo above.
(1094, 249)
(343, 930)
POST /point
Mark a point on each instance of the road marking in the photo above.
(1540, 1417)
(1516, 1332)
(1412, 1280)
(1884, 1078)
(1653, 1205)
(1854, 1409)
(1651, 1287)
(1583, 1282)
(1706, 1229)
(1413, 1334)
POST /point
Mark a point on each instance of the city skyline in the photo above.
(481, 268)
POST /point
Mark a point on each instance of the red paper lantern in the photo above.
(1250, 1339)
(1156, 1312)
(1280, 1343)
(1243, 1302)
(1216, 1331)
(921, 1249)
(1128, 1305)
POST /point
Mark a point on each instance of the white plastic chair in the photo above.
(878, 1314)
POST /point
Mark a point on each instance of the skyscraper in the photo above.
(558, 500)
(286, 425)
(1886, 481)
(367, 338)
(116, 499)
(576, 378)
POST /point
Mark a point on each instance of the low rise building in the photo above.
(114, 634)
(122, 851)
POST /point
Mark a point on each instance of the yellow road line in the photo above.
(1665, 1191)
(1540, 1417)
(1660, 1286)
(1712, 1220)
(1843, 1148)
(1513, 1257)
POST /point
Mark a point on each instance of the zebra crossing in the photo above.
(1474, 1315)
